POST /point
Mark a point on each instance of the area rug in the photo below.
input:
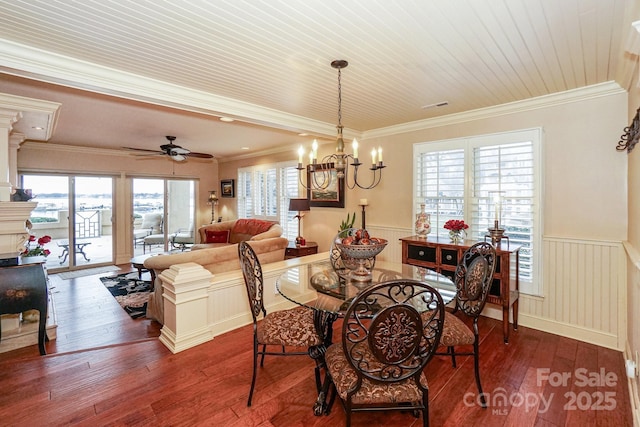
(130, 292)
(87, 272)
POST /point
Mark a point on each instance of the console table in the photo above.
(442, 255)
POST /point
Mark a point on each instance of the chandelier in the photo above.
(320, 174)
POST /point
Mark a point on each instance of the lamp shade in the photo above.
(300, 205)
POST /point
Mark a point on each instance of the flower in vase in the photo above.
(39, 249)
(455, 225)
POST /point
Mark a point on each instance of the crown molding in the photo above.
(546, 101)
(74, 149)
(20, 104)
(25, 61)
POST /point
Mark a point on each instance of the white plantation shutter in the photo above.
(440, 186)
(288, 190)
(507, 168)
(264, 192)
(245, 194)
(454, 179)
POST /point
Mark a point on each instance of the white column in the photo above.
(15, 139)
(185, 294)
(7, 119)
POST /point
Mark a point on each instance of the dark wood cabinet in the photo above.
(294, 251)
(442, 255)
(24, 287)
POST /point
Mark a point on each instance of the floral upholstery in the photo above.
(293, 327)
(455, 332)
(386, 344)
(345, 377)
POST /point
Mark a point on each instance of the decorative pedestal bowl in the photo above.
(361, 253)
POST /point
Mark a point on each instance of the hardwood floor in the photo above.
(107, 369)
(89, 316)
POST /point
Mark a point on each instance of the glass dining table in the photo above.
(328, 291)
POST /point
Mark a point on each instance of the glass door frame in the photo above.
(172, 227)
(65, 251)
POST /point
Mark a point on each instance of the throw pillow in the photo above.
(214, 236)
(251, 226)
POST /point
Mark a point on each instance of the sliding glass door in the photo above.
(163, 215)
(76, 212)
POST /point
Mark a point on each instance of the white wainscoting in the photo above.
(584, 292)
(584, 286)
(198, 306)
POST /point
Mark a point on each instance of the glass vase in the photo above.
(456, 236)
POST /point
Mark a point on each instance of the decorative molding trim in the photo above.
(632, 383)
(546, 101)
(25, 61)
(575, 332)
(33, 145)
(22, 104)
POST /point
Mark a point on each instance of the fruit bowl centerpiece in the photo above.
(362, 248)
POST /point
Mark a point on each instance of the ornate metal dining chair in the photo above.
(386, 343)
(473, 279)
(285, 328)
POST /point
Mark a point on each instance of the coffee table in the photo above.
(137, 262)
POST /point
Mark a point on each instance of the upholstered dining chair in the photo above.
(285, 328)
(386, 343)
(473, 279)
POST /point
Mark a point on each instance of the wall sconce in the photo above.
(213, 201)
(300, 205)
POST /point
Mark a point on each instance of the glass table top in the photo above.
(319, 286)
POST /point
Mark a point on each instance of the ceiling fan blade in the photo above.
(199, 155)
(143, 149)
(148, 154)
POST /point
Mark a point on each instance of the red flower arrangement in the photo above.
(455, 225)
(39, 250)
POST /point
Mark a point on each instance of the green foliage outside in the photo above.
(36, 219)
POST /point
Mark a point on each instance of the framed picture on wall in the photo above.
(227, 188)
(326, 190)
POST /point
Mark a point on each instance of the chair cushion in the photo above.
(345, 377)
(455, 332)
(152, 221)
(214, 236)
(154, 239)
(293, 327)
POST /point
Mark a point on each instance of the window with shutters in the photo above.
(264, 192)
(459, 178)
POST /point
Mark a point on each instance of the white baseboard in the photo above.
(633, 390)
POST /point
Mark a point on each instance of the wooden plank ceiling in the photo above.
(267, 63)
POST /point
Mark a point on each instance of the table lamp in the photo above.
(300, 205)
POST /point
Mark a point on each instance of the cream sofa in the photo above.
(218, 258)
(239, 230)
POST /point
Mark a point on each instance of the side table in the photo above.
(295, 251)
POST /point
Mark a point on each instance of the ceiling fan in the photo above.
(172, 150)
